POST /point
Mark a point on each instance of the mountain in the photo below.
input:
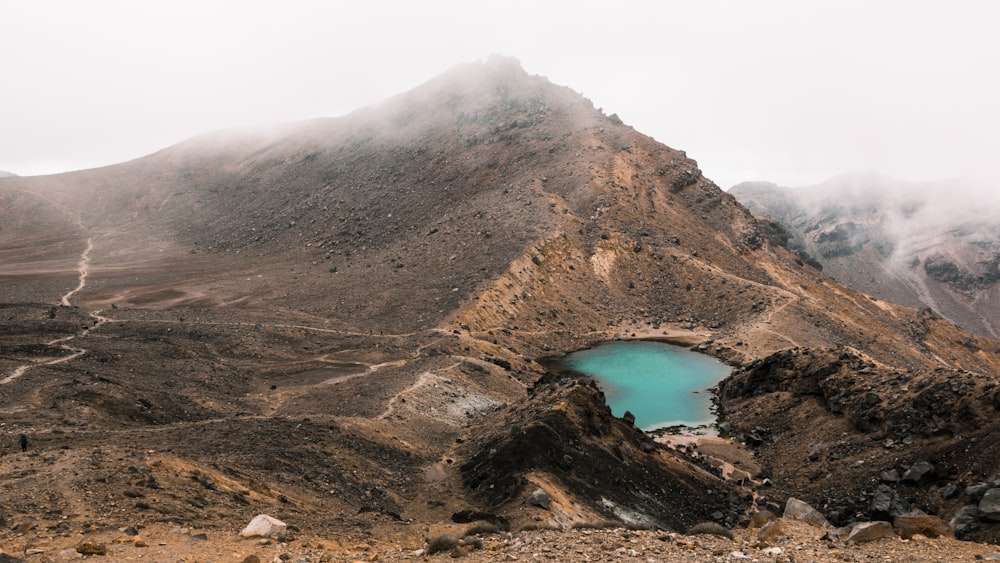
(934, 245)
(6, 174)
(346, 323)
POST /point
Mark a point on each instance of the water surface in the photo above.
(661, 384)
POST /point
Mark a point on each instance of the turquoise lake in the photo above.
(661, 384)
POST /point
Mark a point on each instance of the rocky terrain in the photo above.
(934, 245)
(345, 324)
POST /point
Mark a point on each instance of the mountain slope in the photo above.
(922, 245)
(346, 313)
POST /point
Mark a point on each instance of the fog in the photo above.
(785, 91)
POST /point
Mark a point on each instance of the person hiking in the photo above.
(22, 441)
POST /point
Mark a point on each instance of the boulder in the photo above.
(976, 492)
(264, 526)
(540, 498)
(870, 531)
(917, 522)
(965, 521)
(917, 472)
(948, 491)
(989, 507)
(796, 509)
(886, 503)
(629, 418)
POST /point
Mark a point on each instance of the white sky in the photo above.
(788, 91)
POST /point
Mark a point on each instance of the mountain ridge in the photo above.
(383, 288)
(919, 244)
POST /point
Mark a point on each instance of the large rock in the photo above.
(917, 472)
(989, 507)
(540, 498)
(917, 522)
(976, 492)
(965, 521)
(264, 526)
(887, 504)
(870, 531)
(800, 510)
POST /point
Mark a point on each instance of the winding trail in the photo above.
(83, 268)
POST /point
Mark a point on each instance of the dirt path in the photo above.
(83, 268)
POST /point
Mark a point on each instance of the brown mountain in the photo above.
(934, 245)
(341, 322)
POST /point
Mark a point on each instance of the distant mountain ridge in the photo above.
(5, 174)
(933, 244)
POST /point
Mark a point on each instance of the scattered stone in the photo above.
(251, 559)
(800, 510)
(917, 522)
(266, 527)
(4, 558)
(198, 537)
(540, 498)
(870, 531)
(988, 557)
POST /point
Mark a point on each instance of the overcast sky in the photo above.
(788, 91)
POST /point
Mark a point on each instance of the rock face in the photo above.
(853, 417)
(575, 442)
(908, 243)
